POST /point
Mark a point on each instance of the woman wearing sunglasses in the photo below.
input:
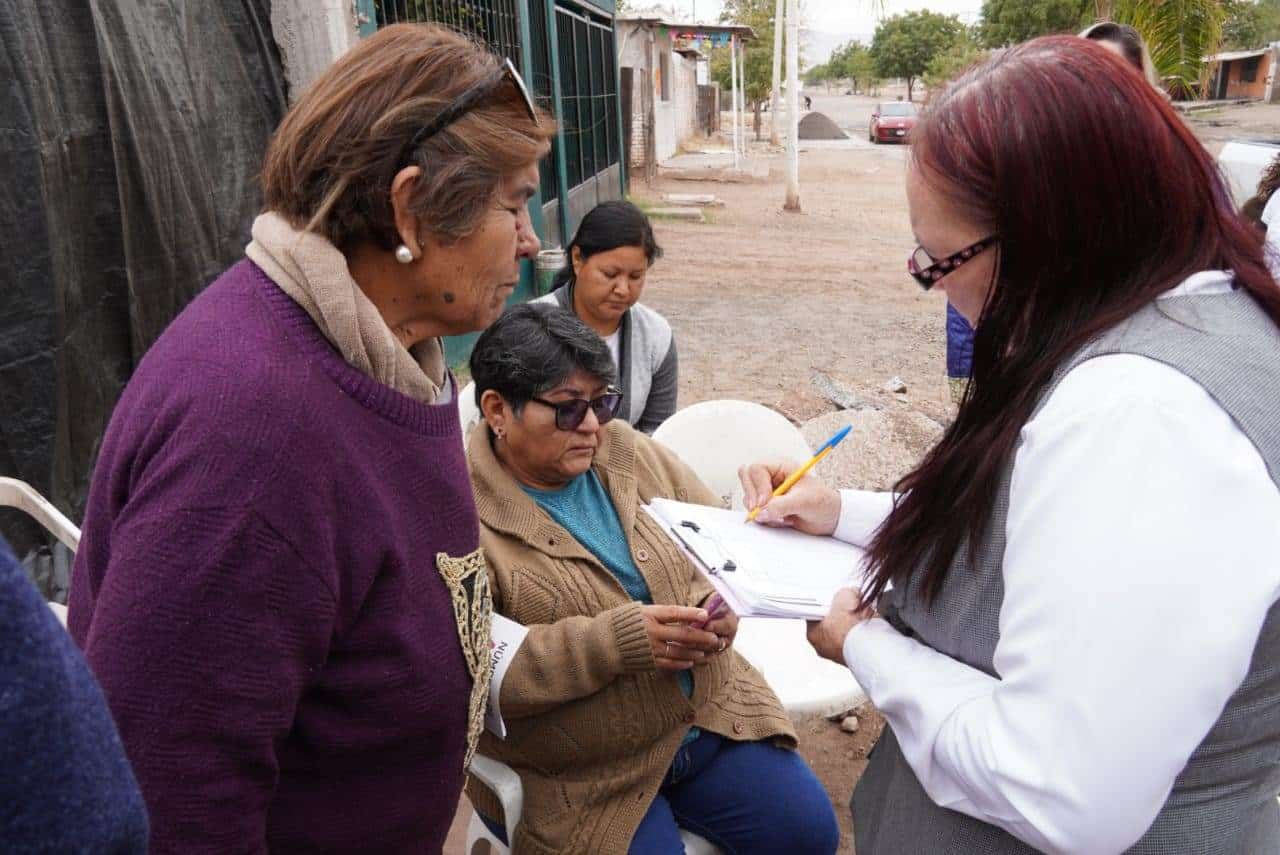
(629, 714)
(1078, 650)
(280, 585)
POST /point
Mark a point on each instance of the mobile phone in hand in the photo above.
(716, 606)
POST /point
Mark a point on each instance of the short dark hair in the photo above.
(1124, 35)
(534, 347)
(607, 227)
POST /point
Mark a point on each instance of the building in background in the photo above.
(668, 98)
(1244, 74)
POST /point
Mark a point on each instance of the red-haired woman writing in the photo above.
(1070, 621)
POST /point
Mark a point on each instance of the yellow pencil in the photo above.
(794, 477)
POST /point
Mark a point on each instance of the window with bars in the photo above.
(587, 67)
(588, 93)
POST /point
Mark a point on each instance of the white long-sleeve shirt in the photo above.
(1143, 552)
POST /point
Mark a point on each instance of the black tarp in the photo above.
(131, 137)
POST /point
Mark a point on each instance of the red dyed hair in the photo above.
(1103, 199)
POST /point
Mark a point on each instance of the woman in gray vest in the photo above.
(1069, 619)
(609, 260)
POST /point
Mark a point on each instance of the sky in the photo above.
(843, 17)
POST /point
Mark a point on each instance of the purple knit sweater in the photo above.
(257, 591)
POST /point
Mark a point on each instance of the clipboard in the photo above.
(758, 571)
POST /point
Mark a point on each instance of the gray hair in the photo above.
(533, 348)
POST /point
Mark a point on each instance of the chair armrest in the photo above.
(20, 495)
(505, 783)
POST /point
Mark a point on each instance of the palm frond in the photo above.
(1179, 34)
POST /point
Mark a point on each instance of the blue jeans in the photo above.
(745, 797)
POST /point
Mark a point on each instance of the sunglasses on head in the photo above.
(468, 101)
(927, 270)
(570, 414)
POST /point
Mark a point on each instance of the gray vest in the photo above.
(1224, 801)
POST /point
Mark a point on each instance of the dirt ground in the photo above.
(762, 300)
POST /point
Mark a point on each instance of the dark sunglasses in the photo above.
(468, 101)
(570, 414)
(927, 270)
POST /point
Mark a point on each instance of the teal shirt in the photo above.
(586, 511)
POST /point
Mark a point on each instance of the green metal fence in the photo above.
(495, 22)
(566, 51)
(590, 116)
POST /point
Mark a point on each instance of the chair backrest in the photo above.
(468, 412)
(717, 437)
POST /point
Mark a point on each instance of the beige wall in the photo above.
(675, 119)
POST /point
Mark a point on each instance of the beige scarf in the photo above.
(314, 273)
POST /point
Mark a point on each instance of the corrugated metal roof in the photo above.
(1237, 54)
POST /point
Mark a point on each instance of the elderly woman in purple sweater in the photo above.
(279, 584)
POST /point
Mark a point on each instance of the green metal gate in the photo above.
(566, 51)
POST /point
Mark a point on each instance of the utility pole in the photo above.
(793, 106)
(742, 93)
(733, 91)
(777, 72)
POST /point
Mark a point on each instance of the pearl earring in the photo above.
(404, 255)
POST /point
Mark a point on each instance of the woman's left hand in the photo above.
(827, 636)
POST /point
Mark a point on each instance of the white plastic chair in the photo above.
(717, 437)
(468, 412)
(505, 784)
(21, 495)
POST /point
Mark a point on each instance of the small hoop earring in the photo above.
(404, 255)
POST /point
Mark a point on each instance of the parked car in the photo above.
(892, 122)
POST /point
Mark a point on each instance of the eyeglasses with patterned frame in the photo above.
(927, 270)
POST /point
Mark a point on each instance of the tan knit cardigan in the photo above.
(591, 725)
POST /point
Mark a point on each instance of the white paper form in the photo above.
(505, 638)
(771, 572)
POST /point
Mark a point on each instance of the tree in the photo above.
(756, 68)
(858, 66)
(1007, 22)
(904, 45)
(757, 62)
(1250, 23)
(1178, 34)
(820, 74)
(952, 62)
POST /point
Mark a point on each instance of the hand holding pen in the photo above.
(782, 493)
